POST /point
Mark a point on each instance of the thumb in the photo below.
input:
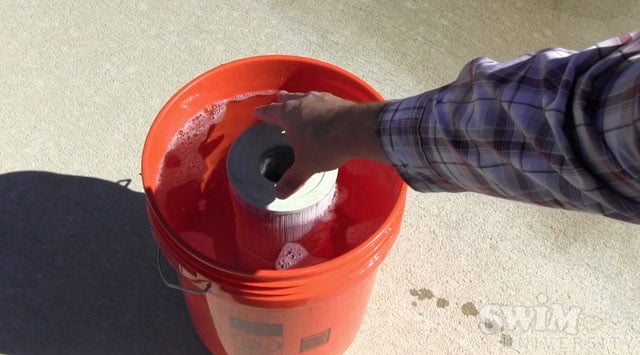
(272, 113)
(292, 180)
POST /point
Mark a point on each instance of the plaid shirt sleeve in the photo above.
(557, 128)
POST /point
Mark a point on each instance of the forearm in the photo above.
(556, 128)
(361, 132)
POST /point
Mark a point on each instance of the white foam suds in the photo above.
(295, 255)
(247, 95)
(183, 149)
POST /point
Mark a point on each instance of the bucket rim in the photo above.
(243, 61)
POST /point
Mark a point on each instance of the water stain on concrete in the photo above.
(441, 302)
(506, 340)
(422, 293)
(492, 327)
(469, 309)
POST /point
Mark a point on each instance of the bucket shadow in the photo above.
(78, 271)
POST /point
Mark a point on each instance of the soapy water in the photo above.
(193, 193)
(183, 151)
(295, 255)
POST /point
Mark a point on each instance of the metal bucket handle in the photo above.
(178, 287)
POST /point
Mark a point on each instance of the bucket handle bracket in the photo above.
(178, 287)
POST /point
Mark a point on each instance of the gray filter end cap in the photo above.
(256, 161)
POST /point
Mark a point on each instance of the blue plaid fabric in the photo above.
(557, 128)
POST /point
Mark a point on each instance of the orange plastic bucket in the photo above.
(311, 310)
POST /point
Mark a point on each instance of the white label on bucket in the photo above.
(256, 338)
(313, 341)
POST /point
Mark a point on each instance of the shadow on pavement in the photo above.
(78, 271)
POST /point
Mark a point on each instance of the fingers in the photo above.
(292, 180)
(284, 96)
(272, 113)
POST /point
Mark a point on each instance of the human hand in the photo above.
(324, 131)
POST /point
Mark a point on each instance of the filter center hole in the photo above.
(275, 162)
